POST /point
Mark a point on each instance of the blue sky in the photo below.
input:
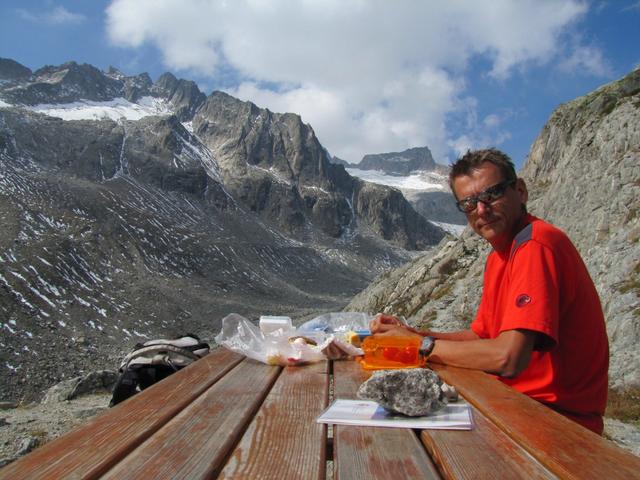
(369, 76)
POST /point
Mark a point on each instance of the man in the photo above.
(539, 326)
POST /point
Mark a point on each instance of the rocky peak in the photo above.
(399, 163)
(63, 84)
(11, 70)
(137, 86)
(113, 72)
(277, 142)
(183, 95)
(339, 161)
(272, 162)
(71, 82)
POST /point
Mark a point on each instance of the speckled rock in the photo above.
(413, 392)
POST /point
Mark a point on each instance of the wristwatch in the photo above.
(427, 346)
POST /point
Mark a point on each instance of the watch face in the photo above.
(427, 345)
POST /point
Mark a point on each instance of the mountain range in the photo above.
(133, 209)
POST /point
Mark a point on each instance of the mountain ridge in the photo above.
(64, 84)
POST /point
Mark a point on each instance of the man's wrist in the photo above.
(428, 343)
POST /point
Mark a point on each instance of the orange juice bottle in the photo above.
(389, 352)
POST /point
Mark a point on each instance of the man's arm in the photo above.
(506, 355)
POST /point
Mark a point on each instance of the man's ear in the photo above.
(521, 188)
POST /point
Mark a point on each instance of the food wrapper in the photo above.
(291, 347)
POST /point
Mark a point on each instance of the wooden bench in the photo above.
(226, 416)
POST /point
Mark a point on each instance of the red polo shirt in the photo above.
(542, 284)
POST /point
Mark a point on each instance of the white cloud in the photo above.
(480, 133)
(587, 59)
(634, 6)
(492, 120)
(55, 16)
(369, 76)
(477, 139)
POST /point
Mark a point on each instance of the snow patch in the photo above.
(314, 187)
(44, 261)
(416, 181)
(11, 367)
(8, 327)
(113, 109)
(275, 174)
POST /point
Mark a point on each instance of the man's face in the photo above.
(495, 221)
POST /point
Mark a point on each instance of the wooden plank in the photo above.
(284, 440)
(90, 450)
(561, 445)
(484, 452)
(196, 443)
(369, 452)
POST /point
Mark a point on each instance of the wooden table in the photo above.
(226, 416)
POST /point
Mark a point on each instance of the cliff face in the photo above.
(274, 164)
(583, 174)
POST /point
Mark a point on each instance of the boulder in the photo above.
(99, 381)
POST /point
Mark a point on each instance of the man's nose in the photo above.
(483, 208)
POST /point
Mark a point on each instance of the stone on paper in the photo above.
(413, 392)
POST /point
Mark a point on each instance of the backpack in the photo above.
(153, 361)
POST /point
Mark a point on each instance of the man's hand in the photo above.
(382, 323)
(399, 331)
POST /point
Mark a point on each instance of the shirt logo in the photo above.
(523, 300)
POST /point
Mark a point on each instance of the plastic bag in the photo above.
(338, 322)
(240, 335)
(290, 347)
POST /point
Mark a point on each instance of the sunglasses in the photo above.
(490, 195)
